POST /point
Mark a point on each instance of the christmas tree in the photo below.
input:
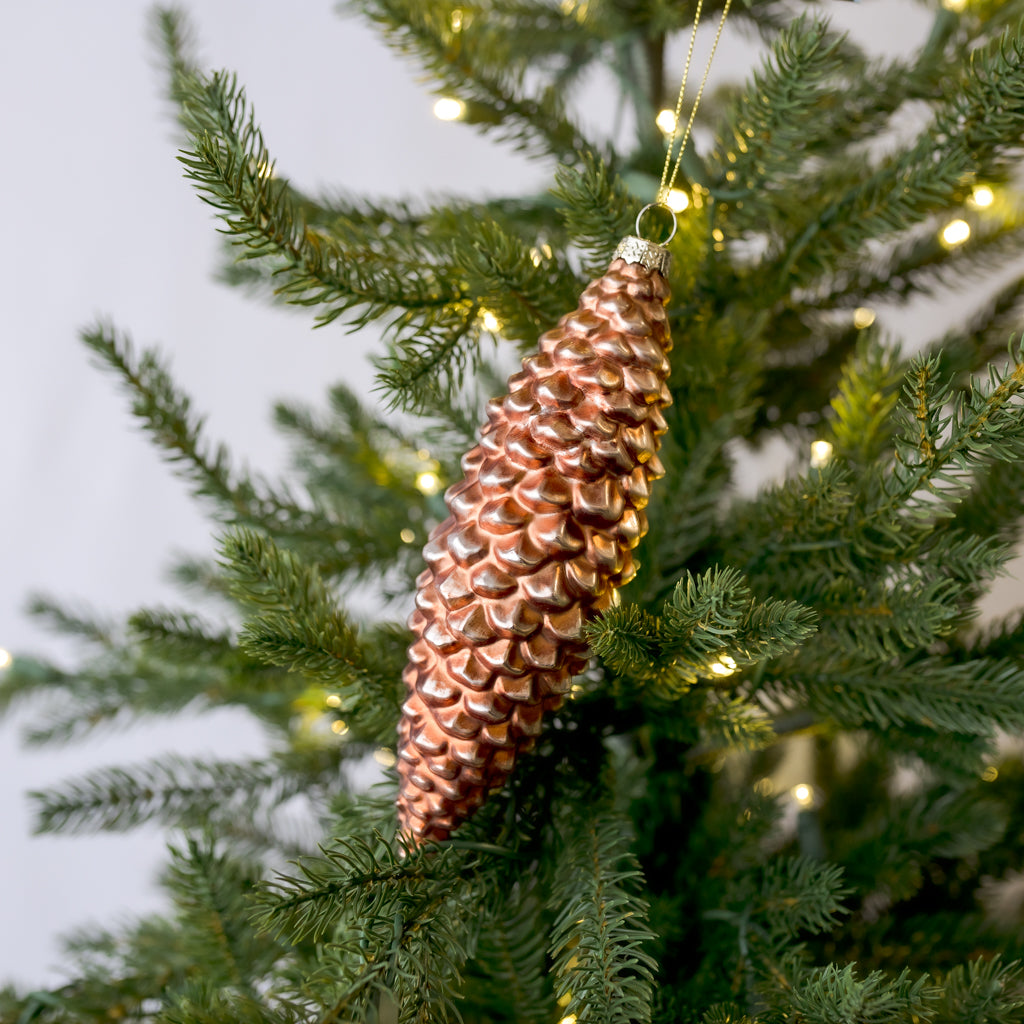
(646, 860)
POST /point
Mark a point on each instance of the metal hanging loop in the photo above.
(655, 206)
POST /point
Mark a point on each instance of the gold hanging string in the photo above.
(667, 181)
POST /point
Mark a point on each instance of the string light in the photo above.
(863, 317)
(384, 757)
(428, 483)
(423, 454)
(764, 786)
(457, 19)
(725, 666)
(954, 5)
(407, 535)
(490, 321)
(5, 658)
(990, 774)
(666, 121)
(565, 999)
(333, 700)
(571, 1019)
(339, 727)
(956, 232)
(677, 200)
(539, 253)
(803, 794)
(821, 454)
(448, 108)
(982, 196)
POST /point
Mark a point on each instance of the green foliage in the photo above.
(600, 930)
(401, 923)
(638, 866)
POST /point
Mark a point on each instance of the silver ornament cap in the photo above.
(639, 250)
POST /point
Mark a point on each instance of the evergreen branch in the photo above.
(204, 1003)
(798, 894)
(706, 618)
(824, 995)
(985, 424)
(597, 209)
(969, 698)
(232, 170)
(466, 63)
(867, 393)
(731, 724)
(167, 415)
(526, 294)
(61, 619)
(211, 892)
(403, 926)
(982, 992)
(776, 122)
(973, 133)
(298, 626)
(597, 940)
(173, 790)
(507, 979)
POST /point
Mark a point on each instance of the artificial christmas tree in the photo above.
(650, 859)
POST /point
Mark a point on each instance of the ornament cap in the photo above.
(640, 250)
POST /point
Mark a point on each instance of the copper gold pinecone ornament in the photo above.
(540, 535)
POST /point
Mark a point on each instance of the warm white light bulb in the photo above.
(384, 757)
(333, 700)
(5, 658)
(956, 232)
(863, 317)
(448, 108)
(803, 794)
(428, 482)
(677, 200)
(407, 535)
(457, 19)
(982, 196)
(666, 121)
(821, 453)
(339, 728)
(490, 321)
(725, 666)
(954, 5)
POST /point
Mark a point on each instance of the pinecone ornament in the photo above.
(540, 535)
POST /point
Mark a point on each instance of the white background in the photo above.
(98, 222)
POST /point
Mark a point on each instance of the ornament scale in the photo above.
(540, 535)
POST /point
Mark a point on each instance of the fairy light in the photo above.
(423, 454)
(333, 700)
(428, 482)
(821, 454)
(725, 666)
(955, 233)
(990, 774)
(666, 121)
(407, 535)
(5, 658)
(384, 757)
(571, 1019)
(457, 19)
(863, 317)
(448, 108)
(677, 200)
(564, 999)
(954, 5)
(490, 321)
(339, 727)
(803, 794)
(765, 786)
(982, 196)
